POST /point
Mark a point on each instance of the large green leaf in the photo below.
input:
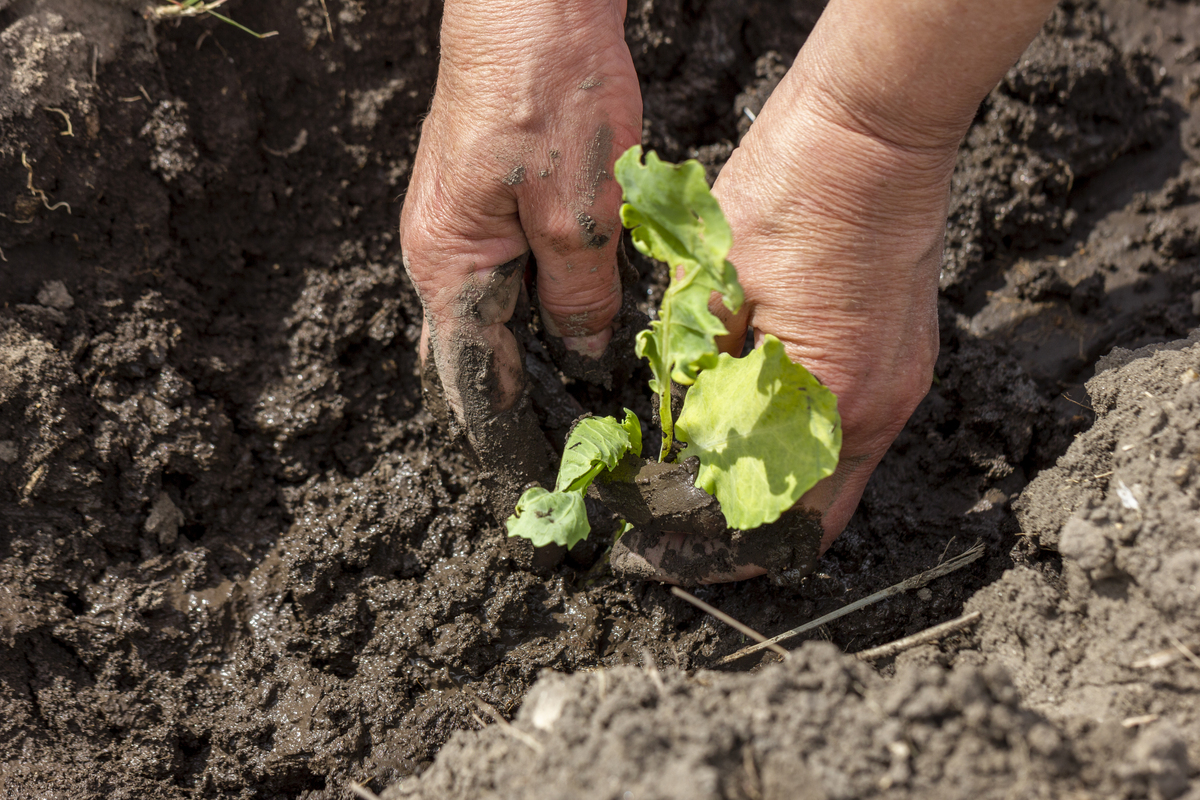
(545, 518)
(765, 431)
(595, 445)
(674, 218)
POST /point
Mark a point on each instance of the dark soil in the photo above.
(238, 559)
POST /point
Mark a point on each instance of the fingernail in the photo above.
(548, 323)
(592, 346)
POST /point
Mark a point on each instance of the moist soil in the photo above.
(239, 559)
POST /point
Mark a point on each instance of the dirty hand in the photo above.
(837, 198)
(535, 99)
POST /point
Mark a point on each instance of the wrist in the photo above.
(814, 160)
(505, 32)
(508, 56)
(913, 72)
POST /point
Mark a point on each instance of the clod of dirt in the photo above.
(1122, 507)
(54, 294)
(662, 501)
(1128, 422)
(769, 70)
(168, 132)
(664, 497)
(42, 61)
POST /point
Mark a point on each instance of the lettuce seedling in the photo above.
(762, 427)
(673, 217)
(595, 445)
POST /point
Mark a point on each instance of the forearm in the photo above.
(881, 93)
(476, 26)
(913, 72)
(517, 57)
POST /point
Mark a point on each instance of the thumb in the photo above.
(737, 325)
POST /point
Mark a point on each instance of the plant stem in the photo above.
(668, 424)
(240, 26)
(664, 382)
(915, 582)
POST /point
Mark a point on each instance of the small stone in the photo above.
(8, 451)
(548, 704)
(164, 520)
(1189, 376)
(1085, 544)
(1128, 498)
(54, 294)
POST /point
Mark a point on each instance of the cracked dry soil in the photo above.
(238, 561)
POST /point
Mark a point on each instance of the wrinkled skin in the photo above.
(837, 198)
(530, 111)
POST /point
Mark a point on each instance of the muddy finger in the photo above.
(479, 367)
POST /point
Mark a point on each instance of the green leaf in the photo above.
(765, 431)
(545, 518)
(633, 427)
(674, 218)
(595, 445)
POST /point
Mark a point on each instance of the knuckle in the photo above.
(566, 231)
(582, 313)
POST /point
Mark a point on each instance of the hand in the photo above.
(837, 198)
(535, 100)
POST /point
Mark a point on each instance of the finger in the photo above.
(736, 325)
(836, 497)
(479, 365)
(570, 214)
(465, 252)
(476, 355)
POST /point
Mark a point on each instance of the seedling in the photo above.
(194, 8)
(763, 428)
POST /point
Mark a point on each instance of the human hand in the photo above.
(837, 198)
(535, 100)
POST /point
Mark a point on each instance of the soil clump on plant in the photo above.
(238, 559)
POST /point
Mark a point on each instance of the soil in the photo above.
(238, 559)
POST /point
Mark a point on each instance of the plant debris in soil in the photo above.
(238, 559)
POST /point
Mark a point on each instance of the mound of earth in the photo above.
(239, 560)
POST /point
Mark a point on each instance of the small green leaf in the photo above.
(634, 428)
(673, 215)
(765, 431)
(595, 445)
(545, 518)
